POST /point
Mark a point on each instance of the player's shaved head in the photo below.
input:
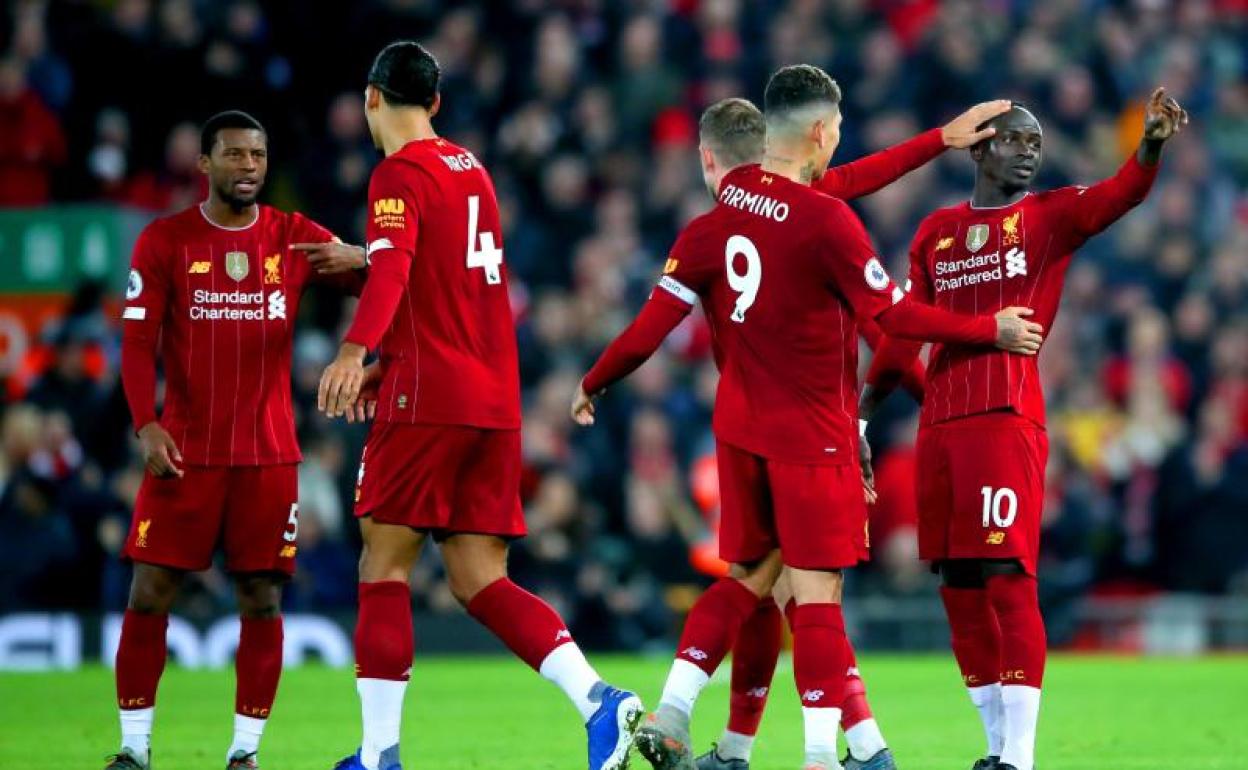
(798, 95)
(406, 74)
(734, 130)
(1009, 160)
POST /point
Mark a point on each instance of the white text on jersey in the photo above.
(464, 161)
(754, 203)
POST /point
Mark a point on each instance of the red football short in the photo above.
(445, 479)
(815, 514)
(251, 511)
(981, 488)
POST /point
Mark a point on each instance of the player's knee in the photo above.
(466, 583)
(153, 589)
(816, 586)
(258, 596)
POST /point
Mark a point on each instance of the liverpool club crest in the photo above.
(236, 264)
(976, 237)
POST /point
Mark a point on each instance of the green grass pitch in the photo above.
(1099, 712)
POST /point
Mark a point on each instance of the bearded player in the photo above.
(782, 271)
(443, 457)
(214, 292)
(982, 445)
(731, 134)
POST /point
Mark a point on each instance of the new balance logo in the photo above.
(1015, 263)
(757, 692)
(199, 268)
(277, 306)
(695, 653)
(812, 696)
(562, 634)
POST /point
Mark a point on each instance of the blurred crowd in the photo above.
(585, 112)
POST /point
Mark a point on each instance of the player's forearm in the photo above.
(896, 362)
(912, 320)
(634, 346)
(880, 169)
(138, 377)
(378, 303)
(1149, 153)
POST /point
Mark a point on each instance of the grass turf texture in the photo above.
(461, 713)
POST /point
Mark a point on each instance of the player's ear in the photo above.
(708, 159)
(818, 133)
(203, 163)
(437, 104)
(372, 98)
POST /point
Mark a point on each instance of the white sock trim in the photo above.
(136, 730)
(684, 682)
(1021, 708)
(567, 667)
(865, 739)
(821, 726)
(381, 710)
(734, 745)
(987, 700)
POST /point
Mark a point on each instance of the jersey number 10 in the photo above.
(488, 256)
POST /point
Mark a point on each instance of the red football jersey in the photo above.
(782, 270)
(222, 302)
(977, 260)
(436, 304)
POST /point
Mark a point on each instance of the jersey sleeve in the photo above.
(1092, 209)
(896, 361)
(686, 274)
(852, 262)
(147, 297)
(394, 218)
(880, 169)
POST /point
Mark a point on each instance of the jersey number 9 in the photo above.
(745, 284)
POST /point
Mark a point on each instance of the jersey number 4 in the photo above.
(745, 284)
(482, 252)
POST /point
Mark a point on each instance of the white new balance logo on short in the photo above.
(562, 633)
(757, 692)
(695, 653)
(277, 306)
(1015, 263)
(812, 696)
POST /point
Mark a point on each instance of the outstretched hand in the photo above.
(1163, 117)
(332, 257)
(963, 131)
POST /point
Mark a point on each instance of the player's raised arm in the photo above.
(147, 296)
(1094, 208)
(880, 169)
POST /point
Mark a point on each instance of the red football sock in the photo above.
(527, 625)
(974, 633)
(141, 655)
(819, 655)
(855, 708)
(258, 666)
(384, 640)
(1023, 640)
(714, 623)
(753, 666)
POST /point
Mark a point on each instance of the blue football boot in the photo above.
(389, 761)
(610, 729)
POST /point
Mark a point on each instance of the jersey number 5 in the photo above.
(745, 284)
(488, 256)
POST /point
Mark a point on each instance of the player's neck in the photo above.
(784, 161)
(403, 128)
(222, 214)
(991, 196)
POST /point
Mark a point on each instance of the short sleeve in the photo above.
(147, 285)
(393, 216)
(920, 283)
(856, 270)
(686, 273)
